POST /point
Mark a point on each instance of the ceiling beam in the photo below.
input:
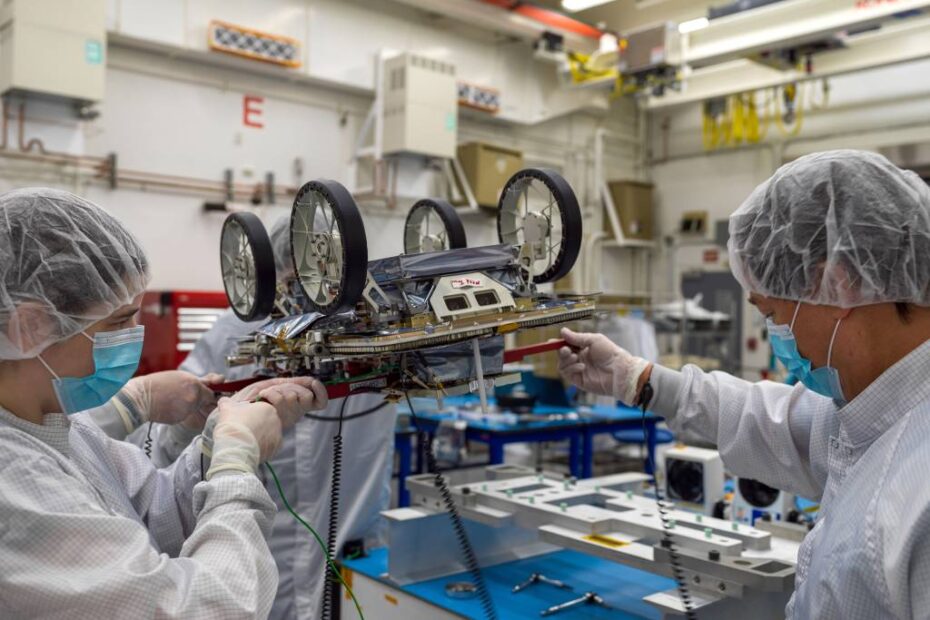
(903, 42)
(786, 24)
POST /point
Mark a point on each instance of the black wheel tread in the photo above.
(263, 255)
(570, 212)
(354, 244)
(450, 219)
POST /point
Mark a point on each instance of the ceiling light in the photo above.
(574, 6)
(693, 25)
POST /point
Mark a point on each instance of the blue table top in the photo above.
(621, 587)
(587, 416)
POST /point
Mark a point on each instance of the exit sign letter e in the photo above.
(252, 111)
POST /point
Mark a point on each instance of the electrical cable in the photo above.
(148, 441)
(352, 416)
(667, 541)
(458, 526)
(330, 563)
(331, 586)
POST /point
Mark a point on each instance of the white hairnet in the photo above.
(65, 263)
(839, 228)
(281, 247)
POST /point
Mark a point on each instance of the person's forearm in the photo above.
(763, 430)
(667, 385)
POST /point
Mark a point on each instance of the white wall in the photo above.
(172, 107)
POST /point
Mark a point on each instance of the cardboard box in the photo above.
(487, 168)
(633, 202)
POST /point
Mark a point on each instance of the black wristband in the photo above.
(645, 395)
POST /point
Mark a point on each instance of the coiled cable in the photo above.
(331, 585)
(667, 541)
(458, 526)
(148, 442)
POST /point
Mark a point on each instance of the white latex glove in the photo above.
(239, 435)
(173, 397)
(291, 397)
(595, 364)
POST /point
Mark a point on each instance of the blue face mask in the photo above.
(825, 380)
(116, 358)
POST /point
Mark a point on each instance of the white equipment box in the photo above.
(53, 48)
(753, 499)
(694, 478)
(420, 106)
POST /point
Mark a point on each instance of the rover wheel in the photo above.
(247, 264)
(539, 208)
(329, 246)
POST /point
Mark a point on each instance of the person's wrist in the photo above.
(128, 407)
(643, 380)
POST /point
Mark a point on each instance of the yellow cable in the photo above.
(726, 125)
(738, 127)
(767, 115)
(753, 135)
(708, 128)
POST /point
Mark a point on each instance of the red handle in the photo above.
(517, 355)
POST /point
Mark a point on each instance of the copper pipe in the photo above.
(27, 147)
(243, 188)
(63, 158)
(6, 118)
(99, 167)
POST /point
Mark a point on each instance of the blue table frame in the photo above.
(580, 434)
(404, 451)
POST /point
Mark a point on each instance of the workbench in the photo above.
(621, 587)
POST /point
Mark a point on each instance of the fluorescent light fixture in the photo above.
(574, 6)
(693, 25)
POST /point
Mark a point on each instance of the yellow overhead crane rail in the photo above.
(746, 118)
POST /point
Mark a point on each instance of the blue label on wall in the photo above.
(93, 52)
(450, 122)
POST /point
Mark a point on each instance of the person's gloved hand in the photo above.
(240, 435)
(173, 397)
(291, 397)
(595, 364)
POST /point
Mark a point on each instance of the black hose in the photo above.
(354, 416)
(667, 542)
(458, 526)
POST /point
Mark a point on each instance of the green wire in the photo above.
(332, 566)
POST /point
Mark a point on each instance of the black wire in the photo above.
(148, 441)
(471, 560)
(352, 416)
(667, 542)
(331, 585)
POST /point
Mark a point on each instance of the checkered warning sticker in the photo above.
(479, 97)
(248, 43)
